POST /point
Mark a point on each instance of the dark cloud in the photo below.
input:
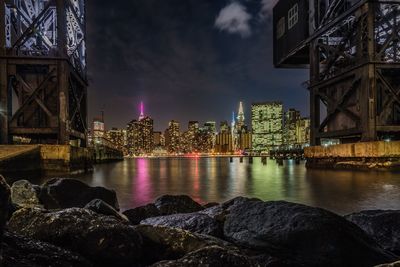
(169, 54)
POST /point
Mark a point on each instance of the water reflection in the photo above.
(140, 181)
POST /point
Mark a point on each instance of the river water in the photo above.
(140, 181)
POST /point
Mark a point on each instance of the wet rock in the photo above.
(20, 251)
(164, 243)
(393, 264)
(382, 225)
(138, 214)
(213, 256)
(307, 235)
(13, 208)
(25, 194)
(61, 193)
(104, 240)
(237, 201)
(169, 204)
(219, 212)
(210, 204)
(101, 207)
(193, 222)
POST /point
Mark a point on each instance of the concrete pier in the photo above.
(379, 155)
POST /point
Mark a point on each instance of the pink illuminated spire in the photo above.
(141, 111)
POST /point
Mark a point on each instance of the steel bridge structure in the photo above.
(353, 52)
(43, 83)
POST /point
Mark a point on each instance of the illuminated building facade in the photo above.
(140, 137)
(267, 126)
(118, 137)
(240, 122)
(205, 141)
(303, 131)
(189, 138)
(172, 137)
(224, 127)
(98, 128)
(290, 119)
(245, 141)
(223, 142)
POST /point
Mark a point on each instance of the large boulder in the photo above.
(219, 212)
(307, 235)
(20, 251)
(381, 225)
(101, 207)
(193, 222)
(136, 215)
(103, 239)
(165, 243)
(25, 194)
(62, 193)
(213, 256)
(169, 204)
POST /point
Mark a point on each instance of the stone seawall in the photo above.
(377, 155)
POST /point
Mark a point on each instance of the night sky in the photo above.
(186, 59)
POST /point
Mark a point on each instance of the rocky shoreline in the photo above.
(65, 222)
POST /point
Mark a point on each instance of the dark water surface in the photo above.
(140, 181)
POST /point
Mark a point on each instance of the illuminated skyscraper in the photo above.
(140, 135)
(224, 127)
(189, 138)
(210, 126)
(267, 127)
(223, 140)
(289, 126)
(240, 119)
(98, 128)
(303, 131)
(172, 137)
(118, 138)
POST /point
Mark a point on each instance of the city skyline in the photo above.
(271, 127)
(241, 108)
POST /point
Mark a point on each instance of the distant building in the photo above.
(223, 142)
(224, 127)
(157, 139)
(303, 131)
(118, 137)
(290, 120)
(172, 137)
(240, 123)
(210, 126)
(267, 126)
(140, 136)
(190, 137)
(205, 141)
(245, 142)
(98, 129)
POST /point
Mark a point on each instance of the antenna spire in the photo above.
(141, 116)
